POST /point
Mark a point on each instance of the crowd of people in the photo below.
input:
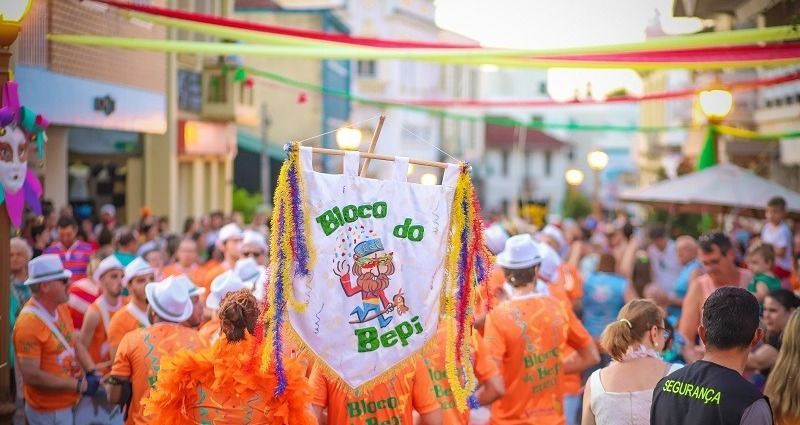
(579, 322)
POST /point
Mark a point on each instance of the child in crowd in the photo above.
(777, 233)
(760, 261)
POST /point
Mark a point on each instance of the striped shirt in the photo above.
(75, 258)
(81, 294)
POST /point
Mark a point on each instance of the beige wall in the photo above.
(289, 120)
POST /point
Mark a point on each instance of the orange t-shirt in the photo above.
(122, 323)
(571, 382)
(483, 366)
(139, 355)
(99, 348)
(212, 273)
(195, 274)
(527, 336)
(389, 402)
(210, 330)
(34, 340)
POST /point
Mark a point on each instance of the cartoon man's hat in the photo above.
(367, 247)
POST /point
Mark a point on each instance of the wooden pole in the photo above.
(372, 145)
(381, 157)
(5, 274)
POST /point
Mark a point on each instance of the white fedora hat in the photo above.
(192, 289)
(495, 238)
(109, 263)
(46, 268)
(520, 253)
(170, 299)
(551, 261)
(137, 267)
(249, 271)
(221, 286)
(255, 238)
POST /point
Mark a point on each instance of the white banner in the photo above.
(373, 293)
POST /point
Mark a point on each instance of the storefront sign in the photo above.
(206, 138)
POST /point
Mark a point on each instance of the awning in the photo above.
(252, 143)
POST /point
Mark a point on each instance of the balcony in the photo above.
(225, 99)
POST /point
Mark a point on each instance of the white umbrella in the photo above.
(718, 189)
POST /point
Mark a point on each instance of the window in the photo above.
(543, 87)
(548, 163)
(527, 166)
(367, 69)
(571, 155)
(504, 163)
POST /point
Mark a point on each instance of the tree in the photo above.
(576, 204)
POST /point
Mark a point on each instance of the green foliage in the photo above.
(246, 203)
(576, 204)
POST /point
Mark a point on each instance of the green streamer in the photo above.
(504, 121)
(708, 156)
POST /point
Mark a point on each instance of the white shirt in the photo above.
(779, 237)
(665, 265)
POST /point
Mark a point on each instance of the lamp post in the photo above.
(716, 104)
(11, 15)
(348, 138)
(574, 177)
(598, 160)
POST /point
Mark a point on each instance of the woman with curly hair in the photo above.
(216, 386)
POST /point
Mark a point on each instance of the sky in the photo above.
(546, 24)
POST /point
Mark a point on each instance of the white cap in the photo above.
(137, 267)
(495, 238)
(255, 238)
(46, 268)
(108, 209)
(109, 263)
(228, 232)
(147, 248)
(520, 253)
(192, 289)
(170, 299)
(555, 233)
(221, 286)
(551, 261)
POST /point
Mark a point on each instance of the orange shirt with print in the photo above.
(120, 325)
(390, 401)
(527, 336)
(98, 348)
(483, 366)
(211, 274)
(490, 293)
(139, 355)
(34, 340)
(571, 382)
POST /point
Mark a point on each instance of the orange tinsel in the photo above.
(213, 386)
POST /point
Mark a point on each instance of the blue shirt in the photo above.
(603, 298)
(680, 289)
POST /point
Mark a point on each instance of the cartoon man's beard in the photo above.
(371, 283)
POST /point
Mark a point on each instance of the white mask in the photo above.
(13, 157)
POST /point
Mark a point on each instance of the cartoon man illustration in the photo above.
(372, 268)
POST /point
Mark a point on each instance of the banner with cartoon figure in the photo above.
(373, 295)
(363, 268)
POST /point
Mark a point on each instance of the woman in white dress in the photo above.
(621, 393)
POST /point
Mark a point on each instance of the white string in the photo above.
(429, 143)
(358, 124)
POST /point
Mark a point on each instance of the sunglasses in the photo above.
(253, 254)
(367, 262)
(64, 281)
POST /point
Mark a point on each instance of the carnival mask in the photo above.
(13, 157)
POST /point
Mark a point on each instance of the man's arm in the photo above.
(83, 356)
(90, 321)
(757, 413)
(432, 418)
(491, 390)
(690, 320)
(317, 412)
(582, 359)
(32, 375)
(764, 357)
